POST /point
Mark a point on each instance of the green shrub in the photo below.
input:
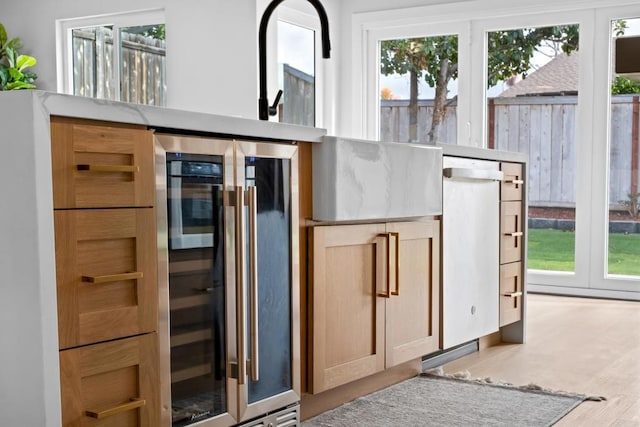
(13, 74)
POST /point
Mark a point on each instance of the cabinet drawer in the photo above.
(510, 293)
(111, 384)
(512, 186)
(98, 166)
(106, 274)
(511, 232)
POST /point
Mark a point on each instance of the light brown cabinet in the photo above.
(111, 384)
(374, 299)
(106, 272)
(97, 165)
(511, 243)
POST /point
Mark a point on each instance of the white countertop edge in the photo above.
(99, 109)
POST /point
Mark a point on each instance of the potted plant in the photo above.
(12, 65)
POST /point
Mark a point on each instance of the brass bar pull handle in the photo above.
(252, 203)
(515, 181)
(515, 234)
(387, 293)
(108, 168)
(133, 404)
(113, 277)
(396, 235)
(240, 286)
(513, 295)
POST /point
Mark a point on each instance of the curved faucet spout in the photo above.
(264, 110)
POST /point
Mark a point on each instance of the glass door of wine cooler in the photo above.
(194, 175)
(271, 286)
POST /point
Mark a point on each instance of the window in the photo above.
(118, 57)
(299, 66)
(296, 60)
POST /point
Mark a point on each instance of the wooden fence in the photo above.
(545, 129)
(142, 61)
(298, 106)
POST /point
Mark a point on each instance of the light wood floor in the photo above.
(580, 345)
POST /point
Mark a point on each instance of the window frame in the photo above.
(310, 22)
(64, 54)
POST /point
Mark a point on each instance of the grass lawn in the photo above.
(554, 250)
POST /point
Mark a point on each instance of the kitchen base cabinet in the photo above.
(374, 300)
(106, 272)
(111, 384)
(512, 241)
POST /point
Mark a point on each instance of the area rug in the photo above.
(434, 399)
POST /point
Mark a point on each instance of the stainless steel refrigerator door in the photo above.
(217, 388)
(268, 173)
(470, 241)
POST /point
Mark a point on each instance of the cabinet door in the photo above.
(412, 311)
(347, 313)
(513, 183)
(96, 166)
(511, 231)
(111, 384)
(106, 274)
(511, 293)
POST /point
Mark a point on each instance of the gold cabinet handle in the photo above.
(387, 292)
(108, 168)
(252, 203)
(513, 295)
(515, 234)
(387, 237)
(133, 404)
(113, 277)
(514, 181)
(396, 235)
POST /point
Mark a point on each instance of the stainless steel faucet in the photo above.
(264, 110)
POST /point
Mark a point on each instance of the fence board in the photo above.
(535, 113)
(569, 164)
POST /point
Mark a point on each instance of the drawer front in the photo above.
(511, 232)
(101, 166)
(510, 293)
(512, 186)
(106, 274)
(111, 384)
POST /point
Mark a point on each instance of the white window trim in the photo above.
(592, 175)
(311, 22)
(64, 63)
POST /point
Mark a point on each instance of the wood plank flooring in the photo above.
(580, 345)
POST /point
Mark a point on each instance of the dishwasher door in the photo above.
(470, 243)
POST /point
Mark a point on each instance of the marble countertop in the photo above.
(157, 117)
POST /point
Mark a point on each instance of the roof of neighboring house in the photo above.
(557, 77)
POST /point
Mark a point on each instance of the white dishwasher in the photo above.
(470, 244)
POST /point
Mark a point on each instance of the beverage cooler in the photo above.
(229, 281)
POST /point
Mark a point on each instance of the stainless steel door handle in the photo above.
(469, 173)
(252, 199)
(240, 285)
